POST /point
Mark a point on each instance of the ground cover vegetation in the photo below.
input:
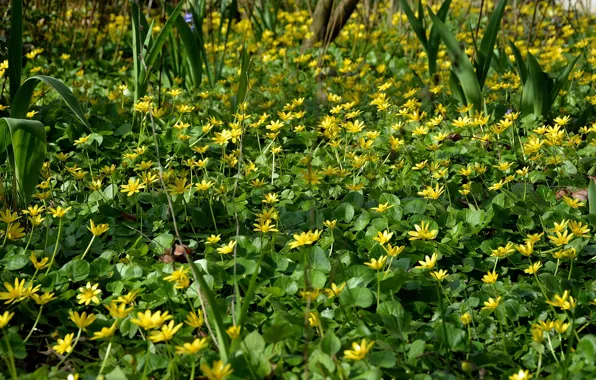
(281, 189)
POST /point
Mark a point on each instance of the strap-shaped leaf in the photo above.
(192, 51)
(522, 70)
(561, 80)
(461, 65)
(592, 197)
(25, 141)
(243, 82)
(416, 23)
(22, 99)
(535, 97)
(435, 39)
(137, 37)
(15, 46)
(156, 46)
(487, 45)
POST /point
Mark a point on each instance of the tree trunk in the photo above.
(329, 18)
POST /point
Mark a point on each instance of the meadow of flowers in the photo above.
(191, 191)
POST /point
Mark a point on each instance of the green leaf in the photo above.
(15, 46)
(519, 61)
(535, 93)
(243, 82)
(16, 262)
(253, 343)
(461, 65)
(561, 80)
(344, 211)
(75, 270)
(487, 45)
(361, 297)
(586, 348)
(157, 44)
(435, 39)
(416, 23)
(17, 346)
(192, 52)
(330, 344)
(27, 139)
(592, 196)
(22, 98)
(137, 36)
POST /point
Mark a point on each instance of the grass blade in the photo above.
(487, 45)
(22, 99)
(243, 83)
(137, 37)
(15, 46)
(28, 141)
(461, 65)
(156, 46)
(191, 50)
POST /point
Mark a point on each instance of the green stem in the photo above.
(30, 237)
(442, 306)
(10, 361)
(105, 358)
(34, 325)
(88, 247)
(192, 370)
(55, 247)
(378, 288)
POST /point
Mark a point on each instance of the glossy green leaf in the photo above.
(562, 80)
(522, 70)
(435, 39)
(487, 45)
(25, 141)
(15, 46)
(592, 196)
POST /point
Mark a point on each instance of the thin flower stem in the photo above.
(34, 324)
(55, 247)
(10, 360)
(378, 287)
(88, 247)
(442, 306)
(30, 237)
(105, 358)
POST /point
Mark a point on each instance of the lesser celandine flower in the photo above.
(491, 304)
(422, 232)
(466, 319)
(218, 371)
(149, 320)
(382, 207)
(5, 318)
(521, 375)
(533, 268)
(359, 350)
(59, 211)
(118, 310)
(195, 320)
(38, 264)
(377, 264)
(192, 348)
(305, 238)
(335, 290)
(490, 277)
(213, 239)
(233, 332)
(227, 249)
(166, 333)
(89, 293)
(43, 298)
(81, 320)
(18, 291)
(99, 229)
(64, 344)
(313, 319)
(565, 302)
(105, 332)
(134, 186)
(428, 262)
(439, 275)
(331, 224)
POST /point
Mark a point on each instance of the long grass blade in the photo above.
(522, 70)
(487, 45)
(416, 23)
(192, 51)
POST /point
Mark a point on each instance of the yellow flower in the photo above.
(81, 320)
(565, 302)
(422, 232)
(359, 350)
(59, 211)
(195, 320)
(30, 114)
(226, 249)
(439, 275)
(5, 318)
(521, 375)
(192, 348)
(561, 327)
(534, 268)
(335, 290)
(134, 186)
(43, 299)
(534, 238)
(490, 277)
(382, 207)
(14, 293)
(89, 293)
(305, 238)
(331, 224)
(166, 333)
(466, 319)
(99, 229)
(573, 203)
(218, 371)
(377, 264)
(64, 345)
(561, 238)
(8, 217)
(118, 310)
(579, 229)
(394, 251)
(430, 193)
(537, 334)
(383, 237)
(148, 320)
(105, 332)
(233, 332)
(428, 262)
(491, 304)
(313, 319)
(38, 264)
(503, 251)
(265, 227)
(213, 239)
